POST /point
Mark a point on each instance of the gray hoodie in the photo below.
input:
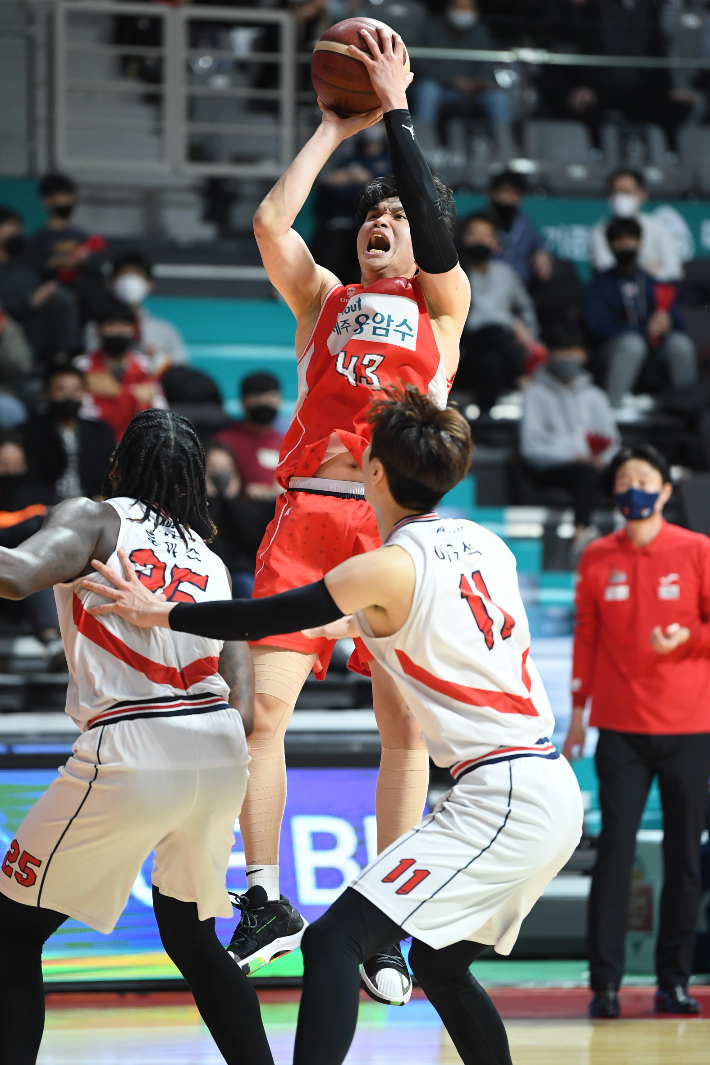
(558, 416)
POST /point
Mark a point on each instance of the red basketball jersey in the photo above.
(364, 339)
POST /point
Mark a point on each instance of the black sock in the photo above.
(469, 1016)
(23, 932)
(225, 997)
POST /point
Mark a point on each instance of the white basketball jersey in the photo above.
(462, 657)
(119, 671)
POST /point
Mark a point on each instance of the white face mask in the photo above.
(462, 20)
(625, 204)
(131, 288)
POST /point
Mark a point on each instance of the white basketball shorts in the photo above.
(174, 786)
(474, 868)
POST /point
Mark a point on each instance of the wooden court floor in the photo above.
(166, 1030)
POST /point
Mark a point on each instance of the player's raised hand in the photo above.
(384, 60)
(348, 126)
(129, 599)
(336, 630)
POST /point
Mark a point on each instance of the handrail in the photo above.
(541, 57)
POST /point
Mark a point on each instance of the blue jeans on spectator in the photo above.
(430, 96)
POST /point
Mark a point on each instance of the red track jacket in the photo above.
(623, 592)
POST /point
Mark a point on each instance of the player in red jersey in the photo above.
(401, 324)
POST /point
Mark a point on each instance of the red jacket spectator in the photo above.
(254, 442)
(115, 399)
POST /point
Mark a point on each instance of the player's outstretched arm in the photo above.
(75, 531)
(288, 262)
(236, 666)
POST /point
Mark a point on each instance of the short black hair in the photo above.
(561, 336)
(110, 309)
(626, 171)
(508, 179)
(256, 383)
(645, 453)
(61, 369)
(8, 215)
(478, 216)
(12, 436)
(385, 188)
(53, 183)
(132, 258)
(425, 451)
(623, 227)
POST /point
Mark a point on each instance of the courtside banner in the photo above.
(328, 835)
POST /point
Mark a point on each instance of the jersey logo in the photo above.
(477, 602)
(151, 572)
(377, 318)
(668, 587)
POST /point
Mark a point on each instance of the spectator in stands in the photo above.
(658, 254)
(520, 243)
(642, 655)
(501, 322)
(54, 246)
(558, 294)
(568, 433)
(626, 315)
(443, 87)
(119, 380)
(23, 507)
(132, 282)
(46, 311)
(65, 451)
(253, 440)
(15, 364)
(241, 522)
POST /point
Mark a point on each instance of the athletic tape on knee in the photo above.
(402, 787)
(280, 674)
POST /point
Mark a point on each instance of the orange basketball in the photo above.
(341, 81)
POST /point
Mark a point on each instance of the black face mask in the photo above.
(8, 481)
(14, 246)
(116, 345)
(479, 253)
(220, 482)
(262, 414)
(506, 213)
(565, 370)
(63, 210)
(625, 257)
(63, 410)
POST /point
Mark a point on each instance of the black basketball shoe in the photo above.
(266, 931)
(386, 977)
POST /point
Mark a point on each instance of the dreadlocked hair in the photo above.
(161, 462)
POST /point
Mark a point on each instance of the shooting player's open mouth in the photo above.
(378, 242)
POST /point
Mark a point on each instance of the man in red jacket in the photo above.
(642, 654)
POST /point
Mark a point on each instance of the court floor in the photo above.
(166, 1030)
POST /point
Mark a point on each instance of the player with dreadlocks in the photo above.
(161, 764)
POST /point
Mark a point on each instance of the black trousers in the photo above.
(491, 362)
(626, 765)
(579, 478)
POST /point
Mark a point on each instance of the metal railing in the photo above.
(214, 93)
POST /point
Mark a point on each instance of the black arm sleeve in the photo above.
(433, 245)
(252, 619)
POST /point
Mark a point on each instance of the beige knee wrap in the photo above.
(279, 673)
(402, 787)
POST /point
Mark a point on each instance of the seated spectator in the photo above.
(501, 322)
(68, 453)
(46, 311)
(54, 246)
(558, 294)
(253, 440)
(241, 522)
(442, 86)
(23, 507)
(132, 282)
(15, 364)
(568, 433)
(626, 314)
(520, 243)
(658, 254)
(118, 377)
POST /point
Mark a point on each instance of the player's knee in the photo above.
(435, 968)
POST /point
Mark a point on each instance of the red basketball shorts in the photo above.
(311, 534)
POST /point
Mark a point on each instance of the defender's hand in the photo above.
(336, 630)
(385, 65)
(349, 126)
(665, 642)
(130, 599)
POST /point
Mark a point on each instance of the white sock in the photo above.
(266, 876)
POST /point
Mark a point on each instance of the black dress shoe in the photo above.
(676, 1000)
(605, 1004)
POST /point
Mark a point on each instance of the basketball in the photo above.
(341, 81)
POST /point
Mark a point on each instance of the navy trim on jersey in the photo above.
(164, 706)
(335, 495)
(507, 758)
(430, 515)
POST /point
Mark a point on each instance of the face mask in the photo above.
(636, 505)
(565, 370)
(262, 414)
(8, 481)
(116, 345)
(63, 410)
(506, 214)
(625, 257)
(62, 210)
(14, 246)
(479, 253)
(220, 481)
(462, 20)
(131, 288)
(624, 204)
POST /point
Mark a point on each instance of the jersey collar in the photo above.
(431, 515)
